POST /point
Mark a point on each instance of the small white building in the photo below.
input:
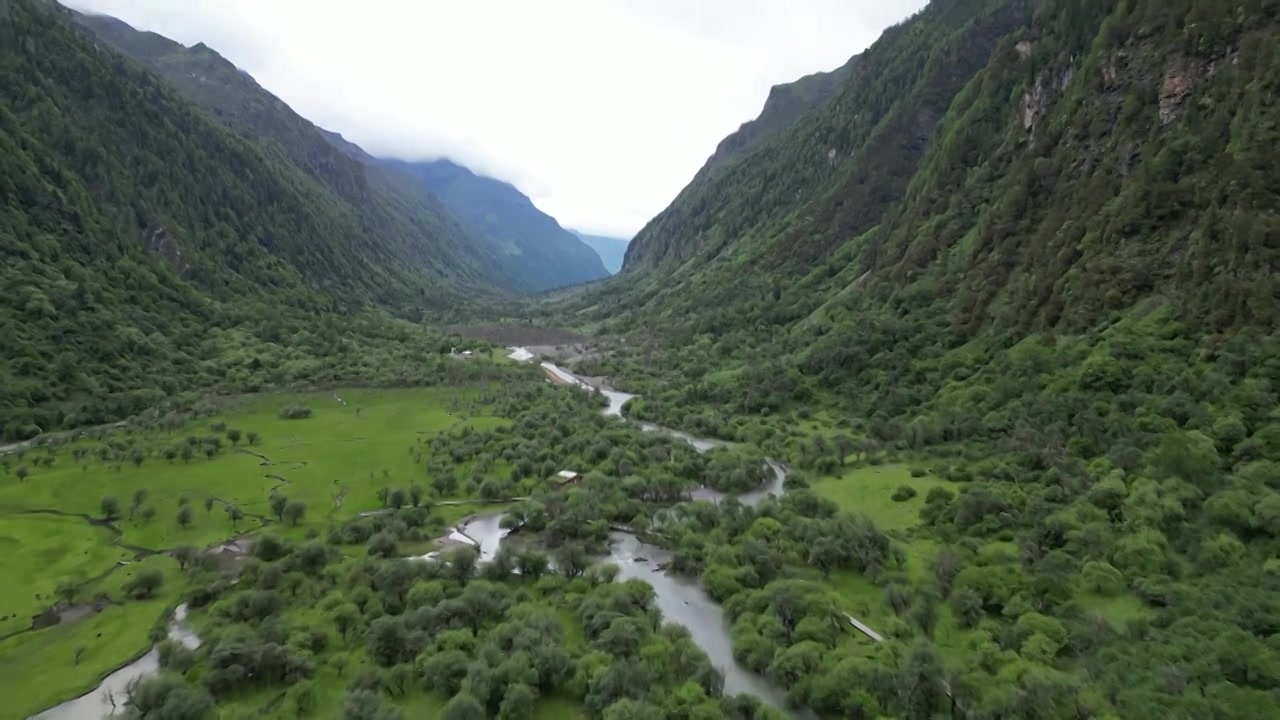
(567, 477)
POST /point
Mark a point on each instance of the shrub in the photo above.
(904, 493)
(295, 412)
(918, 472)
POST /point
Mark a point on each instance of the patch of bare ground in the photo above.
(518, 335)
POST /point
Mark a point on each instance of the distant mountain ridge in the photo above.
(505, 240)
(151, 251)
(391, 211)
(611, 250)
(547, 255)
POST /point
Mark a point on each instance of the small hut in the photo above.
(567, 477)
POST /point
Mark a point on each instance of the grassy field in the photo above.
(40, 669)
(37, 553)
(334, 462)
(869, 490)
(344, 451)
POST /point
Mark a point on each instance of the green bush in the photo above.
(295, 412)
(903, 493)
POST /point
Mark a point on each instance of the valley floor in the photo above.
(62, 560)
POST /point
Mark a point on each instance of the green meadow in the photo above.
(333, 462)
(40, 552)
(869, 489)
(41, 668)
(56, 550)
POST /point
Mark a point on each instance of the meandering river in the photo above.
(681, 600)
(111, 693)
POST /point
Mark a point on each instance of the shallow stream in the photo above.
(681, 600)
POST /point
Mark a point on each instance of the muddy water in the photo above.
(97, 703)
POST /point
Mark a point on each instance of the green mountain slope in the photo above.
(785, 104)
(391, 210)
(533, 245)
(150, 251)
(610, 249)
(1031, 247)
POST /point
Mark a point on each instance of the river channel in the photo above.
(111, 693)
(681, 600)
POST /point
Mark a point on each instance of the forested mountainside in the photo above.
(786, 104)
(1031, 246)
(610, 249)
(546, 255)
(149, 250)
(391, 208)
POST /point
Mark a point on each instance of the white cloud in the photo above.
(600, 110)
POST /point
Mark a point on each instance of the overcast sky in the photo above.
(599, 110)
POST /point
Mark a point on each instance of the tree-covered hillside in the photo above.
(785, 104)
(389, 207)
(1031, 247)
(150, 251)
(533, 246)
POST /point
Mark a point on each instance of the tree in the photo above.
(826, 555)
(184, 555)
(22, 472)
(168, 696)
(208, 504)
(920, 682)
(415, 494)
(252, 437)
(233, 434)
(463, 706)
(384, 494)
(462, 562)
(397, 498)
(147, 514)
(144, 585)
(363, 704)
(294, 511)
(235, 513)
(278, 503)
(383, 545)
(630, 709)
(517, 702)
(532, 564)
(110, 508)
(573, 559)
(845, 446)
(139, 497)
(303, 698)
(137, 457)
(388, 642)
(184, 516)
(186, 453)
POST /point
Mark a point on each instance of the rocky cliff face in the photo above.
(1043, 155)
